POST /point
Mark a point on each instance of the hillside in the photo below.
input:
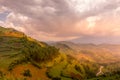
(24, 58)
(16, 49)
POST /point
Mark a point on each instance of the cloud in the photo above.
(2, 9)
(63, 19)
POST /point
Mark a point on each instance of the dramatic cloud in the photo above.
(63, 19)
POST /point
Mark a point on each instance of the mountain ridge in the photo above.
(100, 50)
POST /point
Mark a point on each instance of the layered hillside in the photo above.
(24, 58)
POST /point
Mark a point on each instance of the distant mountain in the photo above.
(103, 53)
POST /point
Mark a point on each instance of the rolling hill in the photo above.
(24, 58)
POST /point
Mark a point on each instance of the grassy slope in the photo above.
(10, 45)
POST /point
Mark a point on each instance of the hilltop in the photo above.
(10, 32)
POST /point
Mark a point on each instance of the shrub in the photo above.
(1, 74)
(27, 73)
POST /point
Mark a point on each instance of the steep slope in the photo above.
(17, 49)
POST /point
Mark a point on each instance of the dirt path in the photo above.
(100, 71)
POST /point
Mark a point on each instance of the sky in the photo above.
(96, 21)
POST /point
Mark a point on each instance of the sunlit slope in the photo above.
(11, 43)
(19, 52)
